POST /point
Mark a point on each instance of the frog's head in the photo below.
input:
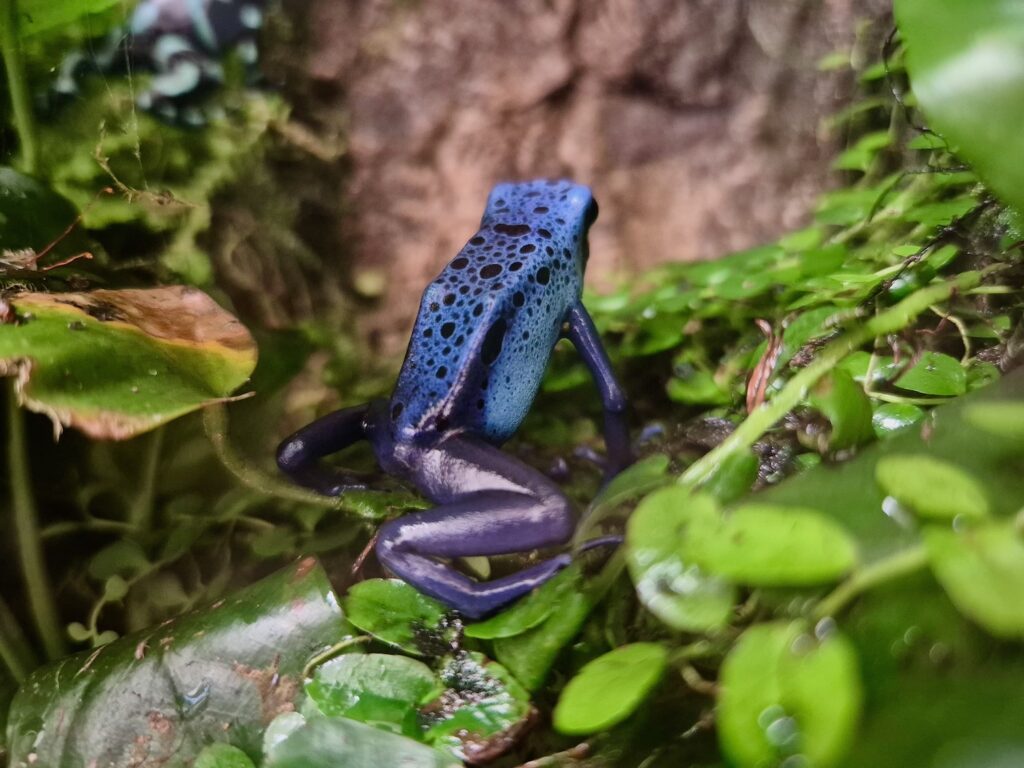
(551, 205)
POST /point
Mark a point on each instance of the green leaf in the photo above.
(842, 401)
(676, 590)
(32, 216)
(395, 613)
(608, 689)
(966, 65)
(330, 743)
(982, 571)
(35, 16)
(698, 388)
(642, 477)
(530, 655)
(935, 374)
(379, 689)
(527, 613)
(1001, 419)
(889, 418)
(787, 697)
(480, 711)
(766, 545)
(861, 155)
(124, 557)
(859, 364)
(933, 488)
(117, 363)
(733, 477)
(209, 676)
(223, 756)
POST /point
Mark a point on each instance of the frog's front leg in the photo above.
(584, 336)
(489, 503)
(299, 454)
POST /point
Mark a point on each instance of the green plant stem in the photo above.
(796, 389)
(140, 516)
(215, 421)
(902, 563)
(21, 105)
(26, 530)
(216, 424)
(15, 652)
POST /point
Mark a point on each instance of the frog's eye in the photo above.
(591, 214)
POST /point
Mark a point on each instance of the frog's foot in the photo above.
(490, 504)
(611, 540)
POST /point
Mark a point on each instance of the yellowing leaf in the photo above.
(117, 363)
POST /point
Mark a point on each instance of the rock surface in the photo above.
(697, 122)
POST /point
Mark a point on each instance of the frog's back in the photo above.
(487, 324)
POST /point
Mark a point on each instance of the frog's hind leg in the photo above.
(489, 504)
(299, 455)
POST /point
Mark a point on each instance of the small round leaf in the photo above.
(671, 587)
(393, 612)
(765, 545)
(931, 487)
(982, 571)
(608, 689)
(786, 696)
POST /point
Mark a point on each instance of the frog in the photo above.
(482, 339)
(182, 42)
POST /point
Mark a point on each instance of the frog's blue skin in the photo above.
(182, 43)
(482, 339)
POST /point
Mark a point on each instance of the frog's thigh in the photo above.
(489, 504)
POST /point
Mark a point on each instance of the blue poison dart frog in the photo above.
(181, 42)
(483, 336)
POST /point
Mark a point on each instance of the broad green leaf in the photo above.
(209, 676)
(608, 689)
(676, 590)
(379, 689)
(530, 655)
(966, 65)
(32, 216)
(842, 401)
(35, 16)
(527, 613)
(280, 728)
(733, 477)
(1001, 419)
(395, 613)
(766, 545)
(889, 418)
(642, 477)
(859, 364)
(787, 697)
(342, 743)
(935, 374)
(480, 711)
(223, 756)
(117, 363)
(982, 571)
(933, 488)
